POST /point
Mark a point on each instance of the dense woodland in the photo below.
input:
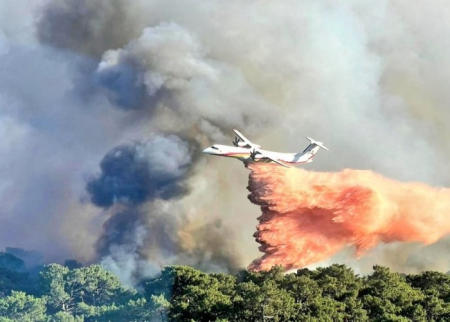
(180, 293)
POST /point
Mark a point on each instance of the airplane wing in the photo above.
(270, 158)
(276, 161)
(256, 148)
(246, 141)
(243, 138)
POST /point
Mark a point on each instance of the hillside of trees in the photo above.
(180, 293)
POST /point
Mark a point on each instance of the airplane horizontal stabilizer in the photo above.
(319, 144)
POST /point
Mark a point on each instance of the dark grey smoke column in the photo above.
(131, 175)
(134, 173)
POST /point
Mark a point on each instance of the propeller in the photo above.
(236, 141)
(253, 154)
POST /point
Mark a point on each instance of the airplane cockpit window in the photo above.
(214, 147)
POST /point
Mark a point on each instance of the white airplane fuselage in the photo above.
(244, 154)
(245, 150)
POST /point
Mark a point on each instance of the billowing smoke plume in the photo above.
(87, 84)
(135, 173)
(132, 175)
(308, 216)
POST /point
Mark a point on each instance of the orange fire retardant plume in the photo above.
(309, 216)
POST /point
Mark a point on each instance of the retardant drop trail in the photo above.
(309, 216)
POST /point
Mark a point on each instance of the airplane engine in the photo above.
(253, 154)
(239, 143)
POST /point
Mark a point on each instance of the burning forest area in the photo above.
(125, 195)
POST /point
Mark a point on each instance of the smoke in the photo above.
(31, 259)
(84, 80)
(308, 216)
(166, 73)
(132, 175)
(142, 171)
(137, 185)
(94, 27)
(167, 67)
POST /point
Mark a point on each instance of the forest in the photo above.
(71, 292)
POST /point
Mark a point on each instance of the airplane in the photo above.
(245, 151)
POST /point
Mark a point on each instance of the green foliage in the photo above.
(99, 313)
(92, 286)
(341, 287)
(387, 296)
(11, 280)
(248, 301)
(53, 279)
(21, 307)
(65, 317)
(12, 274)
(436, 288)
(263, 295)
(182, 293)
(192, 294)
(159, 306)
(11, 262)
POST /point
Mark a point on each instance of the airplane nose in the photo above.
(207, 150)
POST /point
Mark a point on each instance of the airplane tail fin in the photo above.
(317, 143)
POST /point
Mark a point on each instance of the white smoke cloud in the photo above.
(123, 259)
(169, 61)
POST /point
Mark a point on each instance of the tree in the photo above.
(11, 280)
(247, 304)
(192, 294)
(432, 283)
(387, 296)
(436, 288)
(53, 285)
(340, 283)
(256, 303)
(160, 305)
(310, 303)
(99, 313)
(65, 317)
(12, 274)
(21, 307)
(11, 262)
(275, 274)
(182, 293)
(92, 285)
